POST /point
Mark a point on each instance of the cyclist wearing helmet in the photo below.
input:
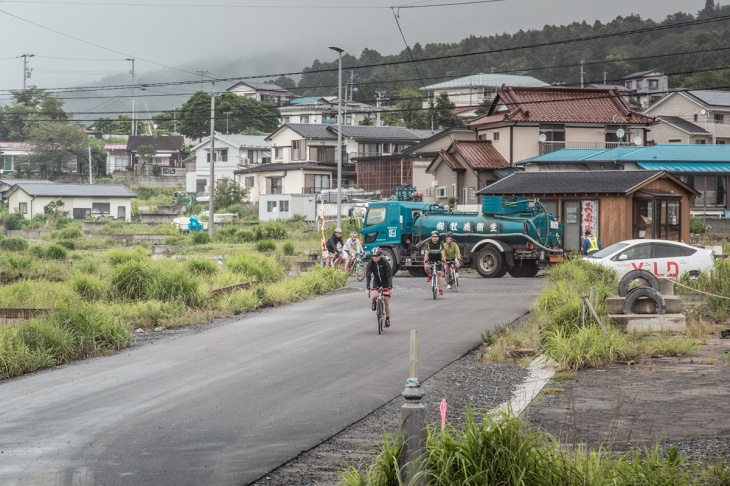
(379, 270)
(433, 251)
(452, 254)
(351, 248)
(334, 246)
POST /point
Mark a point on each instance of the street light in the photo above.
(339, 134)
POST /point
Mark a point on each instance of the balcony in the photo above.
(550, 147)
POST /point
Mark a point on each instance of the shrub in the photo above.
(132, 280)
(15, 243)
(201, 266)
(38, 252)
(265, 245)
(14, 221)
(119, 256)
(263, 269)
(68, 244)
(697, 225)
(272, 230)
(69, 233)
(56, 252)
(245, 235)
(201, 238)
(173, 240)
(288, 248)
(89, 287)
(175, 285)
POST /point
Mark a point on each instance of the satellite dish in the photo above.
(542, 137)
(637, 141)
(703, 111)
(620, 133)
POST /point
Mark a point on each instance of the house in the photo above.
(646, 87)
(616, 205)
(709, 110)
(323, 110)
(10, 155)
(525, 122)
(169, 152)
(117, 158)
(675, 129)
(264, 92)
(704, 168)
(80, 200)
(470, 91)
(231, 152)
(464, 167)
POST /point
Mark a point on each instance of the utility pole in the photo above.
(202, 73)
(133, 132)
(379, 93)
(90, 181)
(581, 72)
(211, 189)
(26, 70)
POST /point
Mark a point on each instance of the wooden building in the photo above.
(615, 205)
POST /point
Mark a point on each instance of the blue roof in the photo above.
(657, 153)
(693, 167)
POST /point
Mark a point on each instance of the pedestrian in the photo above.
(591, 244)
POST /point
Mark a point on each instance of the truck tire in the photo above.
(524, 269)
(644, 292)
(648, 277)
(390, 258)
(490, 263)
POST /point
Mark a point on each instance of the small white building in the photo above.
(80, 200)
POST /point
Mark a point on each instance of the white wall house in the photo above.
(10, 152)
(709, 110)
(646, 87)
(80, 200)
(472, 90)
(265, 92)
(323, 110)
(231, 152)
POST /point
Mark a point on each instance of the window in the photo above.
(712, 189)
(296, 146)
(220, 156)
(100, 208)
(662, 250)
(276, 185)
(374, 216)
(675, 140)
(369, 148)
(304, 119)
(270, 206)
(23, 208)
(612, 137)
(629, 84)
(284, 206)
(321, 154)
(284, 119)
(279, 153)
(694, 117)
(639, 84)
(495, 137)
(719, 118)
(121, 213)
(638, 252)
(441, 192)
(321, 182)
(248, 182)
(553, 133)
(6, 162)
(653, 83)
(471, 193)
(700, 141)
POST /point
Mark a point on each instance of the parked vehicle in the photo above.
(516, 235)
(663, 258)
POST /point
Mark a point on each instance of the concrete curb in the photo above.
(540, 371)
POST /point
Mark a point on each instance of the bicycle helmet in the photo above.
(376, 251)
(354, 233)
(338, 230)
(449, 234)
(434, 233)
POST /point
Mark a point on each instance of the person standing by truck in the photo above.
(452, 254)
(433, 251)
(379, 270)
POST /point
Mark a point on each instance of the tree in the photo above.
(483, 107)
(409, 110)
(55, 148)
(29, 106)
(442, 114)
(228, 193)
(284, 82)
(147, 153)
(121, 126)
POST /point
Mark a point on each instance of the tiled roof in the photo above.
(168, 143)
(492, 79)
(254, 141)
(480, 154)
(74, 190)
(583, 182)
(365, 132)
(450, 160)
(683, 124)
(444, 133)
(562, 105)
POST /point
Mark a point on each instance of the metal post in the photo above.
(339, 134)
(211, 189)
(90, 181)
(413, 419)
(26, 71)
(134, 114)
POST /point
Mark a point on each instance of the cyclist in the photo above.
(379, 269)
(452, 254)
(351, 248)
(334, 246)
(433, 251)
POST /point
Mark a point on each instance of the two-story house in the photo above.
(646, 87)
(169, 152)
(525, 122)
(472, 90)
(232, 152)
(323, 110)
(10, 154)
(708, 110)
(265, 92)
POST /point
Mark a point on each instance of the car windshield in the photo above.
(609, 250)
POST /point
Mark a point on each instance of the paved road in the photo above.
(227, 405)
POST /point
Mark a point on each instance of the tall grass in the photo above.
(261, 268)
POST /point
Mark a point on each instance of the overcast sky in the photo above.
(75, 43)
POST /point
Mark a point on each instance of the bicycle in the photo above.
(380, 309)
(434, 279)
(356, 267)
(452, 278)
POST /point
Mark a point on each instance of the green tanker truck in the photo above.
(509, 235)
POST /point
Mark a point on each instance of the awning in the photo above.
(688, 167)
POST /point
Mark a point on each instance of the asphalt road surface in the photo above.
(226, 405)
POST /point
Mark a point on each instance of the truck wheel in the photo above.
(390, 258)
(490, 263)
(525, 269)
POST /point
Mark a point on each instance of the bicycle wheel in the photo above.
(435, 285)
(359, 271)
(380, 313)
(454, 279)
